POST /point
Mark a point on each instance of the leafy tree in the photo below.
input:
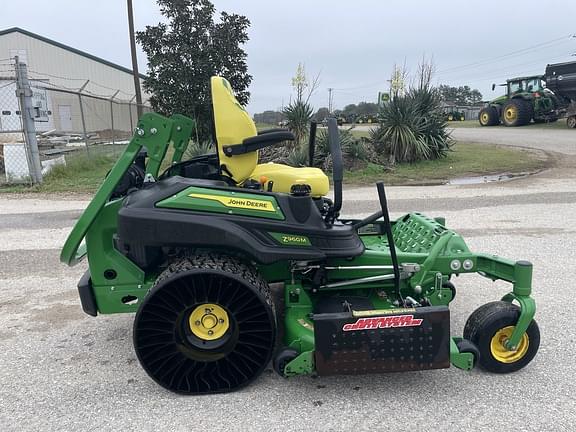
(354, 112)
(186, 50)
(269, 117)
(321, 114)
(462, 95)
(366, 108)
(349, 110)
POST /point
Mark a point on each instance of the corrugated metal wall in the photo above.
(69, 69)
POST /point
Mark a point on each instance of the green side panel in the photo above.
(298, 327)
(118, 284)
(291, 239)
(224, 201)
(114, 277)
(154, 134)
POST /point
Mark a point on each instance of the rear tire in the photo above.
(488, 116)
(206, 326)
(516, 112)
(489, 326)
(571, 122)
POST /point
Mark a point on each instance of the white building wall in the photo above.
(44, 59)
(61, 68)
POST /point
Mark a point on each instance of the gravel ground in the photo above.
(63, 370)
(558, 140)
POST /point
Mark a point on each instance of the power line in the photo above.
(44, 74)
(515, 53)
(504, 70)
(56, 76)
(6, 85)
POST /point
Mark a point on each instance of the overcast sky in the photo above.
(353, 44)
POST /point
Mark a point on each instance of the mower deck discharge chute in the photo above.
(193, 251)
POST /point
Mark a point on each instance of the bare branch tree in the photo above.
(425, 72)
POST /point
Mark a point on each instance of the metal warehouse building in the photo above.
(60, 68)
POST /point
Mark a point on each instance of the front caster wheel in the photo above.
(465, 346)
(489, 328)
(282, 358)
(207, 326)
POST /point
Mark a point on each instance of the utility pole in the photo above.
(80, 90)
(330, 89)
(24, 94)
(134, 59)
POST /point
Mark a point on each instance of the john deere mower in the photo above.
(194, 251)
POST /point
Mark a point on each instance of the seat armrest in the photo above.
(267, 131)
(258, 142)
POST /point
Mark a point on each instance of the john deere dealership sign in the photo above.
(383, 97)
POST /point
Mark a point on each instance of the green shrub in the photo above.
(199, 148)
(412, 128)
(299, 115)
(298, 157)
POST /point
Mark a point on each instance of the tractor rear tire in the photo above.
(206, 326)
(488, 116)
(488, 328)
(516, 112)
(571, 122)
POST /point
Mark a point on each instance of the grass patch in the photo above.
(263, 126)
(467, 159)
(83, 174)
(361, 133)
(463, 124)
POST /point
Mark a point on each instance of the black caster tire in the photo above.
(488, 328)
(282, 358)
(465, 346)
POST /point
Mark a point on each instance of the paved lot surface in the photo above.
(63, 370)
(558, 140)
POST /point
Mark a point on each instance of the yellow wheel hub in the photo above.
(209, 321)
(503, 354)
(484, 118)
(511, 113)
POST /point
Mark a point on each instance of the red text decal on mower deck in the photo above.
(383, 322)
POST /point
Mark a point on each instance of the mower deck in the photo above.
(193, 252)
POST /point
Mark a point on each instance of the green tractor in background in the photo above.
(526, 99)
(454, 115)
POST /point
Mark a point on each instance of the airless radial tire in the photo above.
(207, 325)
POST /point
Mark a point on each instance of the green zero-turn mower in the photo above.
(194, 250)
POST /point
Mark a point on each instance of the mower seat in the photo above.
(238, 143)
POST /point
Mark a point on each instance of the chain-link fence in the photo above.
(78, 119)
(58, 122)
(14, 153)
